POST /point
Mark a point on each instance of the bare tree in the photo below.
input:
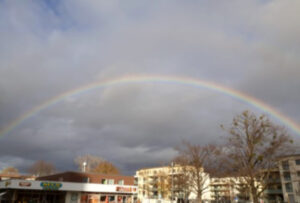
(193, 159)
(106, 167)
(179, 181)
(163, 184)
(42, 168)
(88, 162)
(10, 170)
(252, 149)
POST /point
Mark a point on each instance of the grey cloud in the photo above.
(47, 49)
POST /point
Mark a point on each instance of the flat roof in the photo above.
(66, 186)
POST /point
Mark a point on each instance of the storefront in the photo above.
(26, 191)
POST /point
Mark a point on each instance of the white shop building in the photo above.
(51, 191)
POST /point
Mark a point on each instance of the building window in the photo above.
(111, 198)
(291, 199)
(121, 182)
(297, 161)
(289, 187)
(86, 179)
(111, 181)
(287, 176)
(298, 173)
(103, 181)
(285, 165)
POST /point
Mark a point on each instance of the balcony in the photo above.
(273, 180)
(285, 165)
(273, 191)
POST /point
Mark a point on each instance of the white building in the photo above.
(156, 184)
(289, 167)
(105, 190)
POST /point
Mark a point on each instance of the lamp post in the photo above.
(84, 166)
(172, 192)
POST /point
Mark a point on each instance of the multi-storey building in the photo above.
(222, 189)
(167, 183)
(273, 193)
(227, 190)
(289, 167)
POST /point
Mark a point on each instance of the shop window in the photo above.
(74, 197)
(102, 198)
(111, 198)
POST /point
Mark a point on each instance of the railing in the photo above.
(286, 167)
(273, 191)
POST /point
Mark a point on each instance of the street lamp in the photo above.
(172, 192)
(84, 166)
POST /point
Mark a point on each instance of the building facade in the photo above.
(166, 184)
(273, 193)
(70, 187)
(289, 167)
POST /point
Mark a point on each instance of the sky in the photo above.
(48, 48)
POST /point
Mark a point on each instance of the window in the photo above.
(287, 176)
(86, 179)
(297, 161)
(298, 173)
(111, 181)
(136, 181)
(291, 199)
(285, 165)
(289, 187)
(103, 181)
(111, 198)
(121, 182)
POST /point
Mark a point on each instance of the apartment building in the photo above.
(222, 189)
(228, 189)
(166, 183)
(289, 167)
(273, 193)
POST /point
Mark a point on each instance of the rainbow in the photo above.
(155, 79)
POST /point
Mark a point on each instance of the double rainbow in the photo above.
(156, 79)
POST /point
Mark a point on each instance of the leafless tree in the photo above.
(91, 162)
(106, 167)
(42, 168)
(193, 159)
(10, 170)
(252, 149)
(163, 184)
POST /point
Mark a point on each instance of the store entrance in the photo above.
(40, 197)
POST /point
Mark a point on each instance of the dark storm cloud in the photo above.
(47, 49)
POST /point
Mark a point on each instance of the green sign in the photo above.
(50, 186)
